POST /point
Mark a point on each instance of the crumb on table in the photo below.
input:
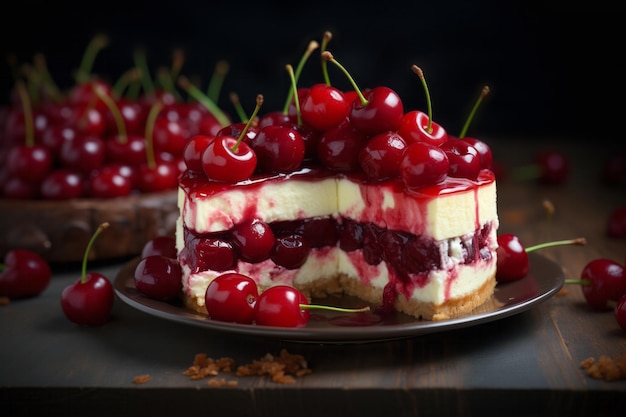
(605, 368)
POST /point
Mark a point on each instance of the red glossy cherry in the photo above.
(324, 107)
(89, 300)
(23, 274)
(29, 163)
(62, 184)
(423, 164)
(278, 149)
(463, 158)
(414, 128)
(254, 240)
(338, 148)
(82, 153)
(381, 156)
(228, 159)
(192, 153)
(232, 297)
(486, 156)
(158, 277)
(602, 281)
(160, 177)
(290, 251)
(382, 111)
(553, 166)
(280, 306)
(512, 259)
(109, 181)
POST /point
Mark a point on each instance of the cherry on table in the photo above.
(89, 300)
(23, 274)
(602, 282)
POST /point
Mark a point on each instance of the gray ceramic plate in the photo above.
(543, 281)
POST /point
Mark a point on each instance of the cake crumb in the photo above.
(282, 369)
(605, 368)
(562, 292)
(141, 379)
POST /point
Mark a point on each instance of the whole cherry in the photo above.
(602, 282)
(512, 256)
(23, 274)
(159, 277)
(232, 297)
(89, 300)
(423, 164)
(616, 223)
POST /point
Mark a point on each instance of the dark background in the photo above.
(554, 70)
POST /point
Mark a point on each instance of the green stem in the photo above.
(329, 57)
(29, 123)
(141, 63)
(417, 70)
(210, 105)
(296, 98)
(115, 111)
(331, 308)
(88, 249)
(234, 98)
(577, 241)
(93, 48)
(325, 40)
(217, 80)
(259, 103)
(483, 94)
(313, 45)
(150, 121)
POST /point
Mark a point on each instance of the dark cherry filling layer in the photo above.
(292, 241)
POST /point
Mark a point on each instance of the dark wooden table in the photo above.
(528, 364)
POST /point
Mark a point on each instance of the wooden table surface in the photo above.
(528, 364)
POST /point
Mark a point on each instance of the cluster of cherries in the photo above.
(357, 131)
(93, 140)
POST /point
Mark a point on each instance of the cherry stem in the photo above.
(313, 45)
(146, 80)
(48, 82)
(204, 100)
(28, 114)
(577, 241)
(234, 98)
(115, 111)
(259, 103)
(165, 79)
(296, 98)
(325, 40)
(88, 249)
(331, 308)
(484, 92)
(93, 48)
(329, 57)
(217, 80)
(417, 70)
(125, 80)
(150, 122)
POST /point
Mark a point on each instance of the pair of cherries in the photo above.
(233, 297)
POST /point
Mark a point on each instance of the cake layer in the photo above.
(453, 208)
(463, 279)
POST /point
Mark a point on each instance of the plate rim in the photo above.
(541, 268)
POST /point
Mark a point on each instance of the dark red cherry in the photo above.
(423, 164)
(109, 181)
(23, 273)
(553, 166)
(602, 282)
(512, 261)
(160, 177)
(290, 251)
(254, 240)
(338, 148)
(227, 159)
(463, 158)
(415, 128)
(278, 149)
(280, 306)
(232, 297)
(192, 153)
(29, 163)
(214, 253)
(620, 312)
(62, 184)
(616, 223)
(324, 107)
(381, 156)
(159, 277)
(486, 156)
(82, 154)
(381, 112)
